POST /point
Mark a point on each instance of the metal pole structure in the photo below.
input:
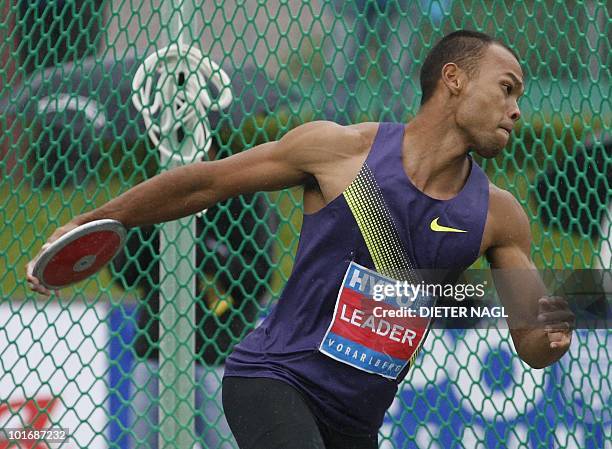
(177, 291)
(175, 115)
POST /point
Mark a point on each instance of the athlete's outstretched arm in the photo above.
(188, 189)
(540, 325)
(300, 155)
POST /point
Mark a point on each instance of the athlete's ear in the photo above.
(453, 78)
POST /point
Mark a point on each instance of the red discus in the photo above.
(79, 253)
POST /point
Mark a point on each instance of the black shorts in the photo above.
(270, 414)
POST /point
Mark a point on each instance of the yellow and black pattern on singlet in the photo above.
(389, 254)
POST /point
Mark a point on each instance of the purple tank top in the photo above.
(287, 345)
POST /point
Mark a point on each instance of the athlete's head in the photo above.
(478, 80)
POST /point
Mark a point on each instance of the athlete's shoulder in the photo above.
(326, 135)
(315, 145)
(366, 130)
(502, 199)
(318, 147)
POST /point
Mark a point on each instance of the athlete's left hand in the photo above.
(558, 320)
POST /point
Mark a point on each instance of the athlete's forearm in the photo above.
(170, 195)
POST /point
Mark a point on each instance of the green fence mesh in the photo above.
(72, 139)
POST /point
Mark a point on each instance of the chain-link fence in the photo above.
(72, 139)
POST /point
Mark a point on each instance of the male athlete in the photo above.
(377, 197)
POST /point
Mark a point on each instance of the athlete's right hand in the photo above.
(33, 282)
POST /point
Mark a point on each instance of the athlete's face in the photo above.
(488, 109)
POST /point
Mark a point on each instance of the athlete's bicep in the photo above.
(263, 168)
(297, 158)
(510, 246)
(517, 281)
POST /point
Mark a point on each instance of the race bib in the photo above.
(377, 336)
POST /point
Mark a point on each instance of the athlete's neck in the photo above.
(435, 155)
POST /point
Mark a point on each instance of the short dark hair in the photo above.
(464, 48)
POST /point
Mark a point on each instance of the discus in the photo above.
(79, 253)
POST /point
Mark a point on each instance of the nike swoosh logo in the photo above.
(439, 228)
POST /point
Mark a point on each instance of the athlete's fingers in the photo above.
(559, 340)
(33, 282)
(557, 316)
(38, 288)
(558, 320)
(550, 303)
(555, 309)
(558, 327)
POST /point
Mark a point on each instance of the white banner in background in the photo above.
(55, 358)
